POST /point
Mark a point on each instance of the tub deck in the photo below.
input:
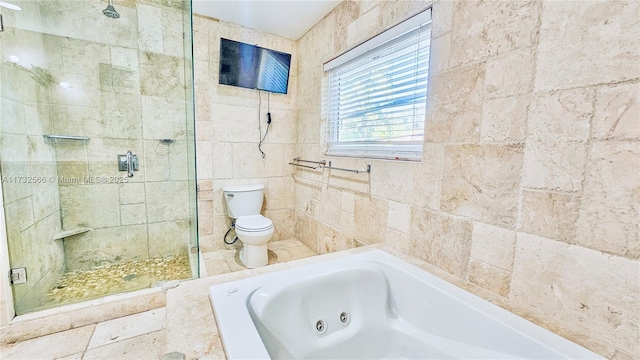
(192, 329)
(372, 306)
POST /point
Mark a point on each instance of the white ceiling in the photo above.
(288, 18)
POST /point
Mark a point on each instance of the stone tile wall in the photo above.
(529, 185)
(227, 134)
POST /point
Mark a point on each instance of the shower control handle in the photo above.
(128, 163)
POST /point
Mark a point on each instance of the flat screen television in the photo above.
(253, 67)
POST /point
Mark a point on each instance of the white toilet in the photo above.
(244, 203)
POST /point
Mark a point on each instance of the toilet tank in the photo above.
(243, 200)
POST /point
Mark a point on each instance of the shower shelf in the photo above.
(65, 137)
(72, 232)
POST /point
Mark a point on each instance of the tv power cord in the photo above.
(260, 121)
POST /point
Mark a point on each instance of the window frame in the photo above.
(400, 150)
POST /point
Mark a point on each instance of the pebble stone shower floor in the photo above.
(104, 280)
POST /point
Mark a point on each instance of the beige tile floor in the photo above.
(227, 261)
(138, 336)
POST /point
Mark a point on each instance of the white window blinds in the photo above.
(377, 97)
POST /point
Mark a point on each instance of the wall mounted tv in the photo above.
(253, 67)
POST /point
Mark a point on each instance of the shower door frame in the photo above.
(7, 311)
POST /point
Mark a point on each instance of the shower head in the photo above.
(110, 11)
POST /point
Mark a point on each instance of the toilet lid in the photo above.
(253, 223)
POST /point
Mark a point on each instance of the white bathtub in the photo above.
(393, 311)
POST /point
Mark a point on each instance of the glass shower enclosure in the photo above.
(97, 153)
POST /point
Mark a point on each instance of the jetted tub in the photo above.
(372, 306)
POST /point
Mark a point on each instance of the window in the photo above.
(377, 94)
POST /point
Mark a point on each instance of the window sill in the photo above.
(374, 157)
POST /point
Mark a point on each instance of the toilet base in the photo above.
(254, 256)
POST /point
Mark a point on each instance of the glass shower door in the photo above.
(97, 153)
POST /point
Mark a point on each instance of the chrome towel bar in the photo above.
(368, 170)
(296, 162)
(322, 164)
(65, 137)
(304, 166)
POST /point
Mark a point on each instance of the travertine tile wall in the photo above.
(136, 83)
(227, 134)
(529, 185)
(127, 92)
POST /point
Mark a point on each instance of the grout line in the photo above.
(527, 133)
(518, 221)
(93, 332)
(547, 190)
(120, 341)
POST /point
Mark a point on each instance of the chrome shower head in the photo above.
(110, 11)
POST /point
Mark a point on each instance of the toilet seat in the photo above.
(253, 223)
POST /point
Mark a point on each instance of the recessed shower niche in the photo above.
(80, 87)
